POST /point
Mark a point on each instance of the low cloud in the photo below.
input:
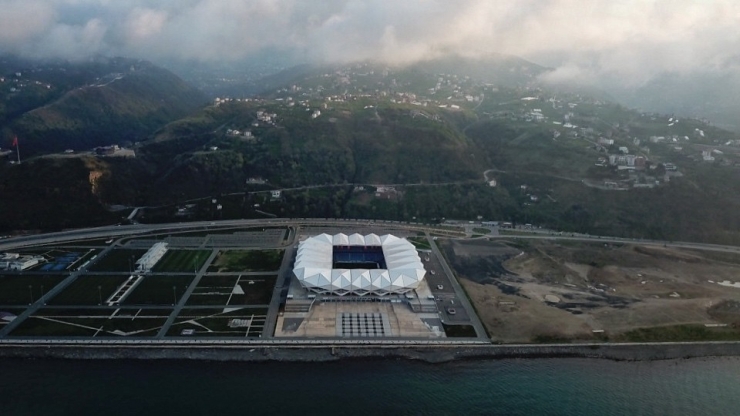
(583, 40)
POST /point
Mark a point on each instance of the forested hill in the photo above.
(362, 141)
(55, 105)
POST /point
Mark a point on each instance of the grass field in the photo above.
(420, 243)
(118, 260)
(98, 323)
(233, 290)
(215, 323)
(247, 261)
(680, 333)
(84, 290)
(182, 261)
(459, 331)
(158, 290)
(25, 289)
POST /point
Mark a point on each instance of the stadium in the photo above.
(358, 265)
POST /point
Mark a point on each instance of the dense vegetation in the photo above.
(368, 157)
(49, 194)
(53, 106)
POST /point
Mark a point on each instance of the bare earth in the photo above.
(550, 290)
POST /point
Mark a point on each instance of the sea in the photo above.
(707, 386)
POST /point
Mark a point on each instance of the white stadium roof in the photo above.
(313, 266)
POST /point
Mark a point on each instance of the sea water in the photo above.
(709, 386)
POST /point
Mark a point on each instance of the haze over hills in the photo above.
(711, 95)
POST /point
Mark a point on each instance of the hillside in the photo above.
(53, 106)
(366, 142)
(711, 95)
(52, 194)
(387, 144)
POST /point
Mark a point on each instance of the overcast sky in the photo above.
(629, 39)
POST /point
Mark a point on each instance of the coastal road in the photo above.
(448, 231)
(461, 297)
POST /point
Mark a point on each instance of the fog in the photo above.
(586, 41)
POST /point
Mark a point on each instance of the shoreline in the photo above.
(427, 354)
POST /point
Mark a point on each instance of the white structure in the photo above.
(314, 266)
(24, 263)
(151, 257)
(9, 256)
(14, 261)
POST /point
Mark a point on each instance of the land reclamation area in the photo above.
(232, 284)
(562, 291)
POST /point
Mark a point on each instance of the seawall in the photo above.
(430, 354)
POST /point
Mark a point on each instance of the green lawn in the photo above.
(217, 290)
(247, 261)
(71, 326)
(24, 289)
(182, 261)
(420, 243)
(678, 333)
(84, 290)
(459, 331)
(118, 260)
(216, 323)
(158, 290)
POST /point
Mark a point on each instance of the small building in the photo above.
(275, 194)
(151, 257)
(21, 263)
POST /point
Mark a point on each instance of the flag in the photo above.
(15, 141)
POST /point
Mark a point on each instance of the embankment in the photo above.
(430, 354)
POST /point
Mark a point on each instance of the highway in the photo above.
(446, 230)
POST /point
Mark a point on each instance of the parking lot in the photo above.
(443, 291)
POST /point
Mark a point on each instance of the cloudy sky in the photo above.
(629, 39)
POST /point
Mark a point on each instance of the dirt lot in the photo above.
(528, 291)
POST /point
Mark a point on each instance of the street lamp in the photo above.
(174, 294)
(30, 295)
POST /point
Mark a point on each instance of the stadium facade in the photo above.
(358, 265)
